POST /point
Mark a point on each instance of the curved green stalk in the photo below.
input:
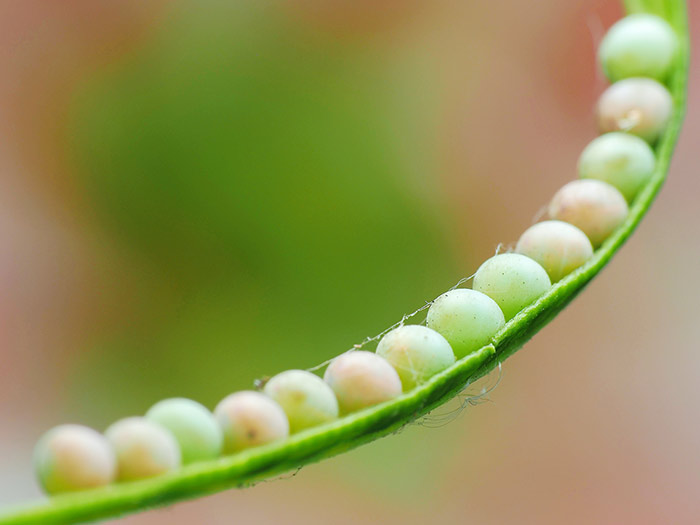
(370, 424)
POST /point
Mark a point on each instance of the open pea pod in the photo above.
(370, 424)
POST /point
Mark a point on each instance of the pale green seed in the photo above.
(250, 419)
(144, 449)
(193, 426)
(416, 352)
(620, 159)
(639, 45)
(362, 379)
(468, 319)
(559, 247)
(512, 280)
(305, 398)
(640, 106)
(70, 458)
(595, 207)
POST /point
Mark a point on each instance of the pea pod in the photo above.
(369, 424)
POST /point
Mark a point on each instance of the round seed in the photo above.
(593, 206)
(620, 159)
(640, 106)
(73, 457)
(193, 426)
(144, 449)
(512, 280)
(466, 318)
(305, 398)
(639, 45)
(558, 246)
(250, 419)
(362, 379)
(416, 352)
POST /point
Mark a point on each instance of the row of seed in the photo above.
(636, 54)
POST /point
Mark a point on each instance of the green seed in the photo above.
(557, 246)
(144, 449)
(193, 426)
(305, 398)
(640, 106)
(69, 458)
(416, 352)
(593, 206)
(250, 419)
(362, 379)
(466, 318)
(620, 159)
(639, 45)
(512, 280)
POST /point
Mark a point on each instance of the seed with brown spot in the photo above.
(250, 419)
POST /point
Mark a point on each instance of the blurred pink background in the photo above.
(594, 421)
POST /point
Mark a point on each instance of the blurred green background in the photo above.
(258, 176)
(197, 194)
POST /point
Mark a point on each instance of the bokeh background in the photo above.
(194, 194)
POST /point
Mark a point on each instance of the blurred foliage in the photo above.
(280, 185)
